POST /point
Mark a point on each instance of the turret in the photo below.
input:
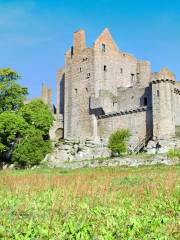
(162, 103)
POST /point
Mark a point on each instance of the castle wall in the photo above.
(129, 98)
(177, 105)
(139, 124)
(113, 68)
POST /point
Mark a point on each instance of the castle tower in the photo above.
(78, 88)
(162, 103)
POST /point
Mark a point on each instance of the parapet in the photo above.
(164, 75)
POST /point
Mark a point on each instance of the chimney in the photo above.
(79, 41)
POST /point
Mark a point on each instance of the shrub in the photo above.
(174, 153)
(118, 141)
(31, 150)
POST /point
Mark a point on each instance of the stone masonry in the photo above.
(102, 89)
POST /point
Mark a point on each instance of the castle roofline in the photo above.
(106, 38)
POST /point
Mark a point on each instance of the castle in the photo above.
(102, 89)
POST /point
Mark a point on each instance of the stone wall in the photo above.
(177, 105)
(138, 122)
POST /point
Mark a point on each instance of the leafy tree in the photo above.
(31, 150)
(12, 128)
(118, 141)
(37, 114)
(12, 95)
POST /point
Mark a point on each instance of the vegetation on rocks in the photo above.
(105, 203)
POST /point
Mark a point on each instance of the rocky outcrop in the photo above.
(77, 150)
(162, 145)
(132, 161)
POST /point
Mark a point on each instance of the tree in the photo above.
(31, 150)
(37, 114)
(12, 128)
(118, 141)
(12, 95)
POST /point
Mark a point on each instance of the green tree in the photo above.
(37, 114)
(31, 150)
(12, 128)
(118, 141)
(12, 95)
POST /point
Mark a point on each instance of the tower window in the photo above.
(121, 70)
(103, 47)
(75, 91)
(86, 89)
(138, 77)
(145, 101)
(105, 68)
(88, 75)
(157, 93)
(80, 69)
(132, 78)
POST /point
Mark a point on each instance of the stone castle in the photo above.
(102, 89)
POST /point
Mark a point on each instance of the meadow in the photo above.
(98, 204)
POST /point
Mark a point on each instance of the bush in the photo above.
(31, 150)
(174, 153)
(118, 141)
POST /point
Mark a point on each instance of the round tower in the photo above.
(163, 104)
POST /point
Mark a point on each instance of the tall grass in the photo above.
(107, 203)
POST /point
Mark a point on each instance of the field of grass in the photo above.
(97, 204)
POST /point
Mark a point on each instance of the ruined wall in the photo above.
(139, 124)
(126, 99)
(60, 84)
(129, 98)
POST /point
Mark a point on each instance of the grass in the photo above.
(174, 153)
(103, 203)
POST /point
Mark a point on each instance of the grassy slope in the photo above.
(104, 203)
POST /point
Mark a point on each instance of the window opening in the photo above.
(145, 101)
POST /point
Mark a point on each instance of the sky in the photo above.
(35, 34)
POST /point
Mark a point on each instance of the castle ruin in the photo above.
(102, 89)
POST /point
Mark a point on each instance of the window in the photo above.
(121, 70)
(75, 91)
(88, 75)
(157, 93)
(85, 59)
(138, 77)
(105, 68)
(132, 78)
(145, 101)
(80, 70)
(86, 89)
(103, 47)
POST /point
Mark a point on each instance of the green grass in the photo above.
(102, 203)
(174, 153)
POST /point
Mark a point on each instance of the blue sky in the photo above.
(34, 34)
